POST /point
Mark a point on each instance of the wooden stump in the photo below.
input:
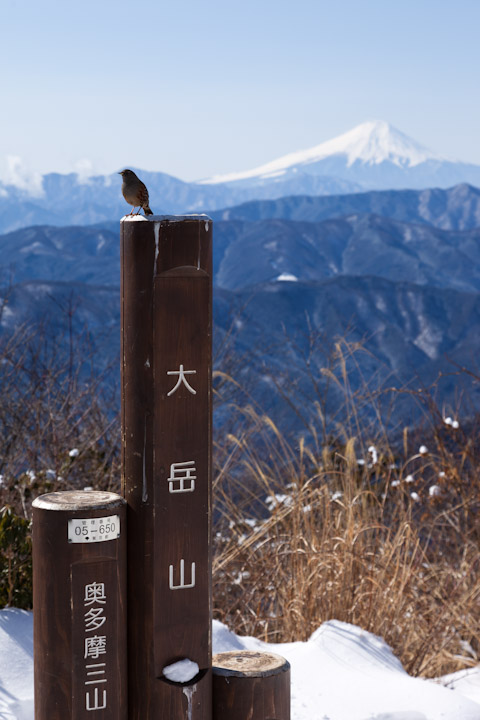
(249, 685)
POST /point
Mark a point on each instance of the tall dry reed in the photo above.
(384, 538)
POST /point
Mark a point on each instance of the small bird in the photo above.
(135, 192)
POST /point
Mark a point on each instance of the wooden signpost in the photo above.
(82, 558)
(166, 443)
(79, 599)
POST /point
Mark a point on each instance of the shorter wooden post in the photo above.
(79, 606)
(250, 685)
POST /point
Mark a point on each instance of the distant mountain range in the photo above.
(67, 200)
(252, 253)
(429, 237)
(373, 155)
(457, 208)
(278, 338)
(396, 270)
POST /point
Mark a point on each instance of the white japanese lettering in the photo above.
(95, 646)
(180, 473)
(182, 585)
(96, 705)
(94, 619)
(94, 593)
(181, 378)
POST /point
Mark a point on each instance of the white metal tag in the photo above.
(93, 530)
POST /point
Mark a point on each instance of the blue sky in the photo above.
(197, 88)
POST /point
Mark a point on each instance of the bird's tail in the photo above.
(146, 210)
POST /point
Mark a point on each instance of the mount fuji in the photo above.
(373, 155)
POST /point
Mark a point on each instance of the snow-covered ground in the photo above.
(340, 673)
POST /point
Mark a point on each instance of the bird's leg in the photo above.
(131, 212)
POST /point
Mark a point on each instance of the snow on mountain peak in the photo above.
(374, 142)
(370, 143)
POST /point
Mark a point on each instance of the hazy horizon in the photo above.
(195, 91)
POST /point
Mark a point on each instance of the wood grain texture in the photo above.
(250, 685)
(166, 439)
(61, 572)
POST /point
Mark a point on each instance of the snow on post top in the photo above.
(138, 217)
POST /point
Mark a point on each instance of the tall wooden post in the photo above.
(166, 276)
(79, 606)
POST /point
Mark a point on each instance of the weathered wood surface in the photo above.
(79, 603)
(250, 685)
(166, 459)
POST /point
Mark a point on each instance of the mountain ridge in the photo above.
(248, 252)
(413, 336)
(371, 142)
(395, 271)
(455, 208)
(373, 156)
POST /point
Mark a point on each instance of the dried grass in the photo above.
(305, 534)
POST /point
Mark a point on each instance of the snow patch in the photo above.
(286, 277)
(181, 671)
(165, 218)
(341, 673)
(36, 247)
(6, 313)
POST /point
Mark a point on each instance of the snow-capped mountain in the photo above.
(373, 155)
(370, 143)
